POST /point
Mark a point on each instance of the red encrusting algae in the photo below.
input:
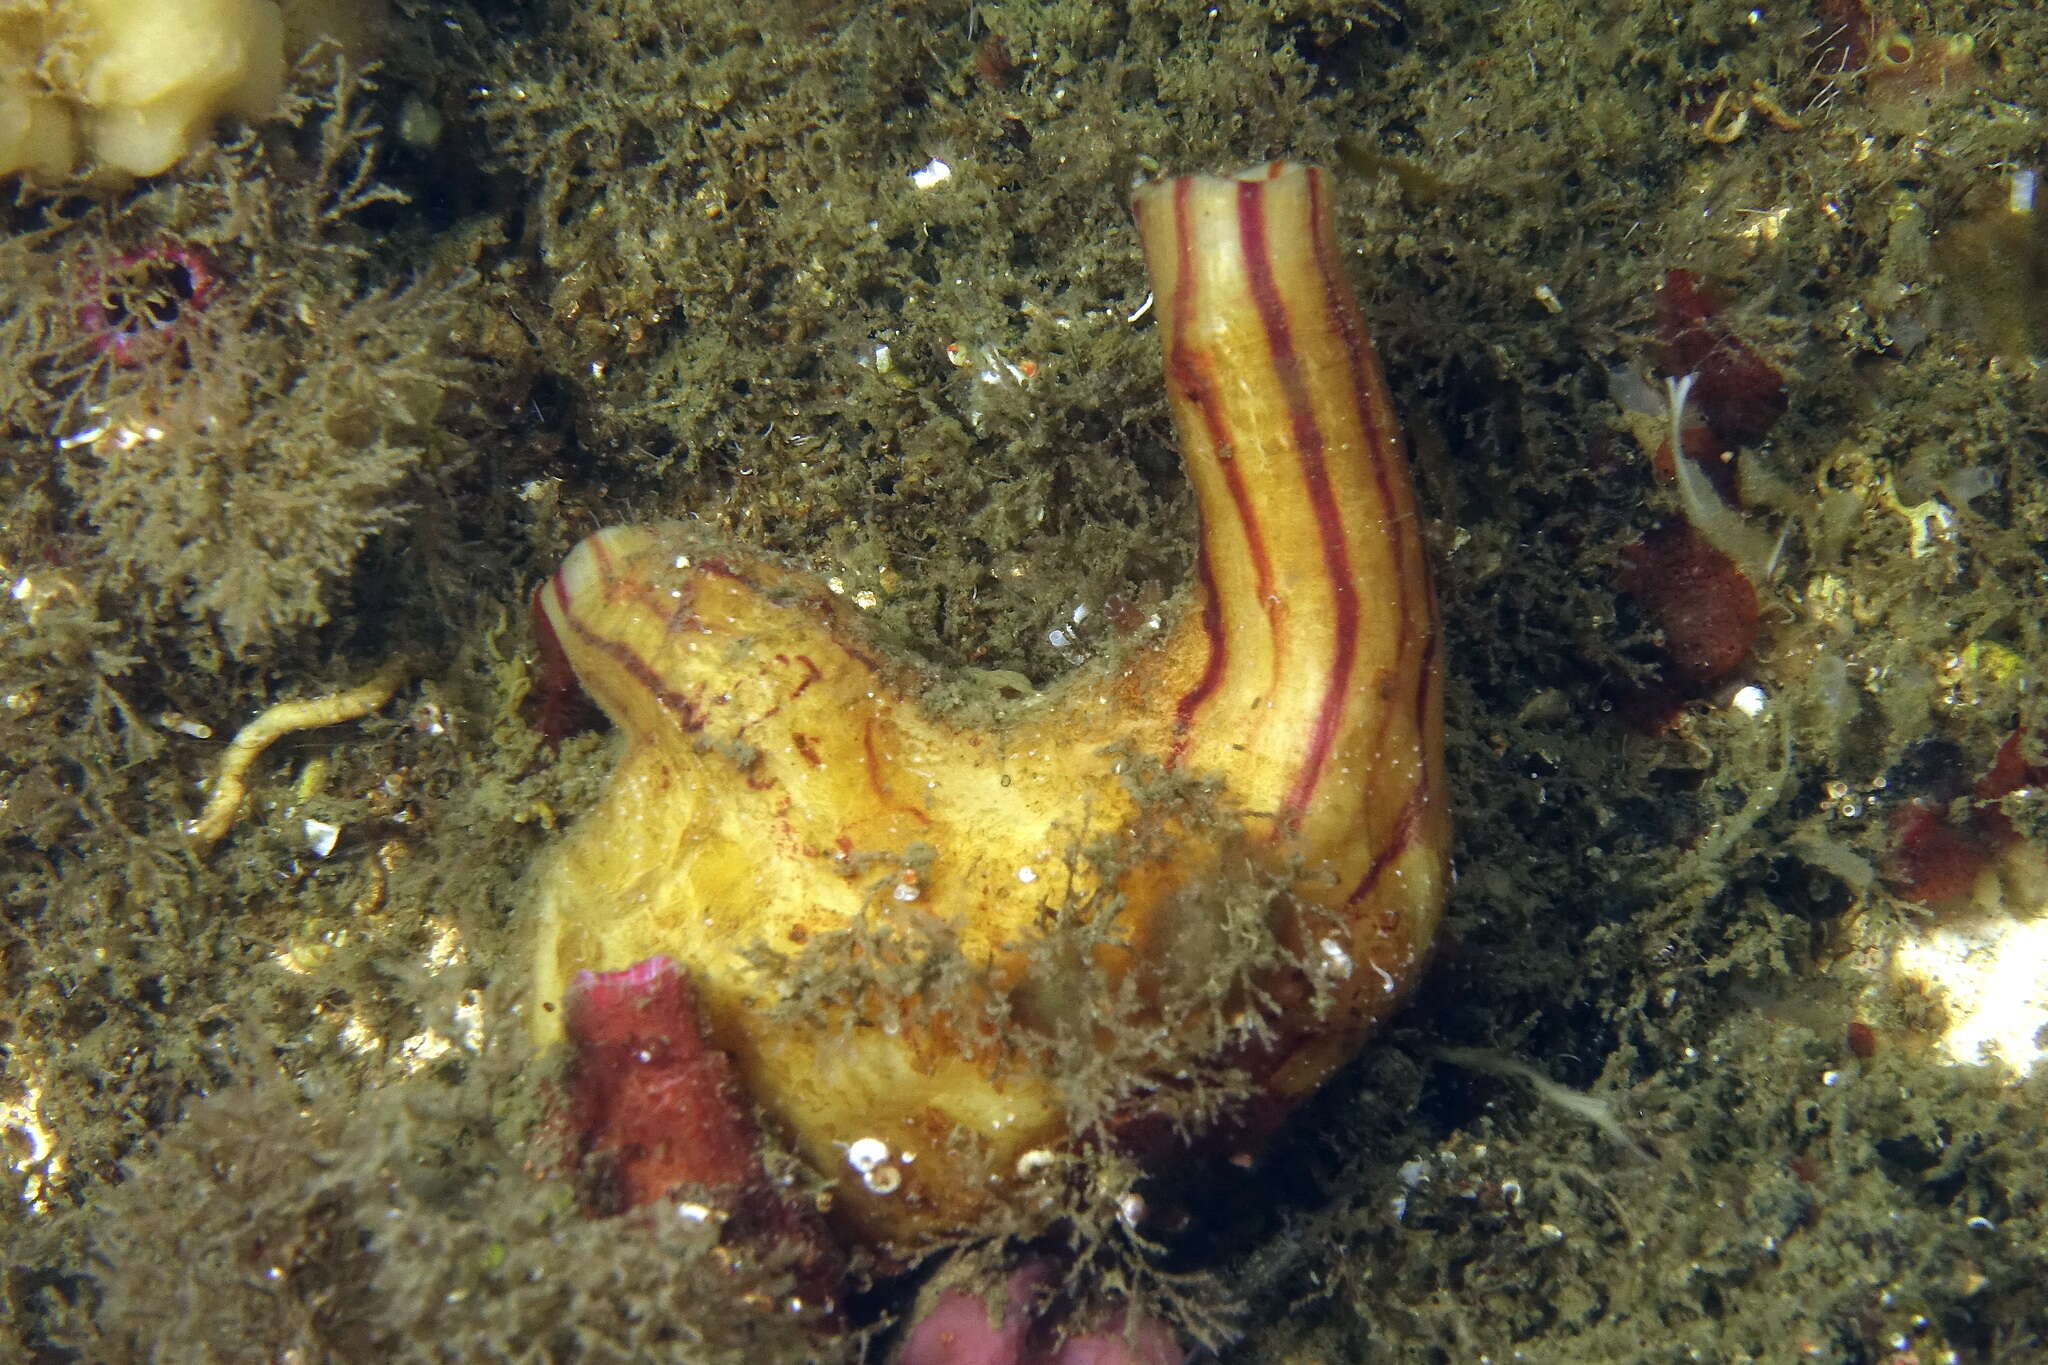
(1704, 605)
(1941, 849)
(1698, 598)
(1738, 393)
(656, 1112)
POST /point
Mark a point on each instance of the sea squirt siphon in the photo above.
(1218, 859)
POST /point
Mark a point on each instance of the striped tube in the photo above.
(1318, 690)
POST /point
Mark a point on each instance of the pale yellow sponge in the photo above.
(155, 74)
(37, 133)
(130, 86)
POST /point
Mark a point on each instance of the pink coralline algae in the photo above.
(134, 307)
(956, 1329)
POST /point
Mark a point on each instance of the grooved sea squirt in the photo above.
(1175, 890)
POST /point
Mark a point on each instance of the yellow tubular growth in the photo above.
(779, 781)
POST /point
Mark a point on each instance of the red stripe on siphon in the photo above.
(1212, 671)
(685, 711)
(1191, 375)
(1309, 447)
(1408, 824)
(1399, 840)
(1198, 388)
(1382, 448)
(1425, 671)
(607, 580)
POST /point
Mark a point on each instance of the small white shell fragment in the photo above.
(1338, 960)
(1034, 1163)
(865, 1154)
(1131, 1210)
(320, 837)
